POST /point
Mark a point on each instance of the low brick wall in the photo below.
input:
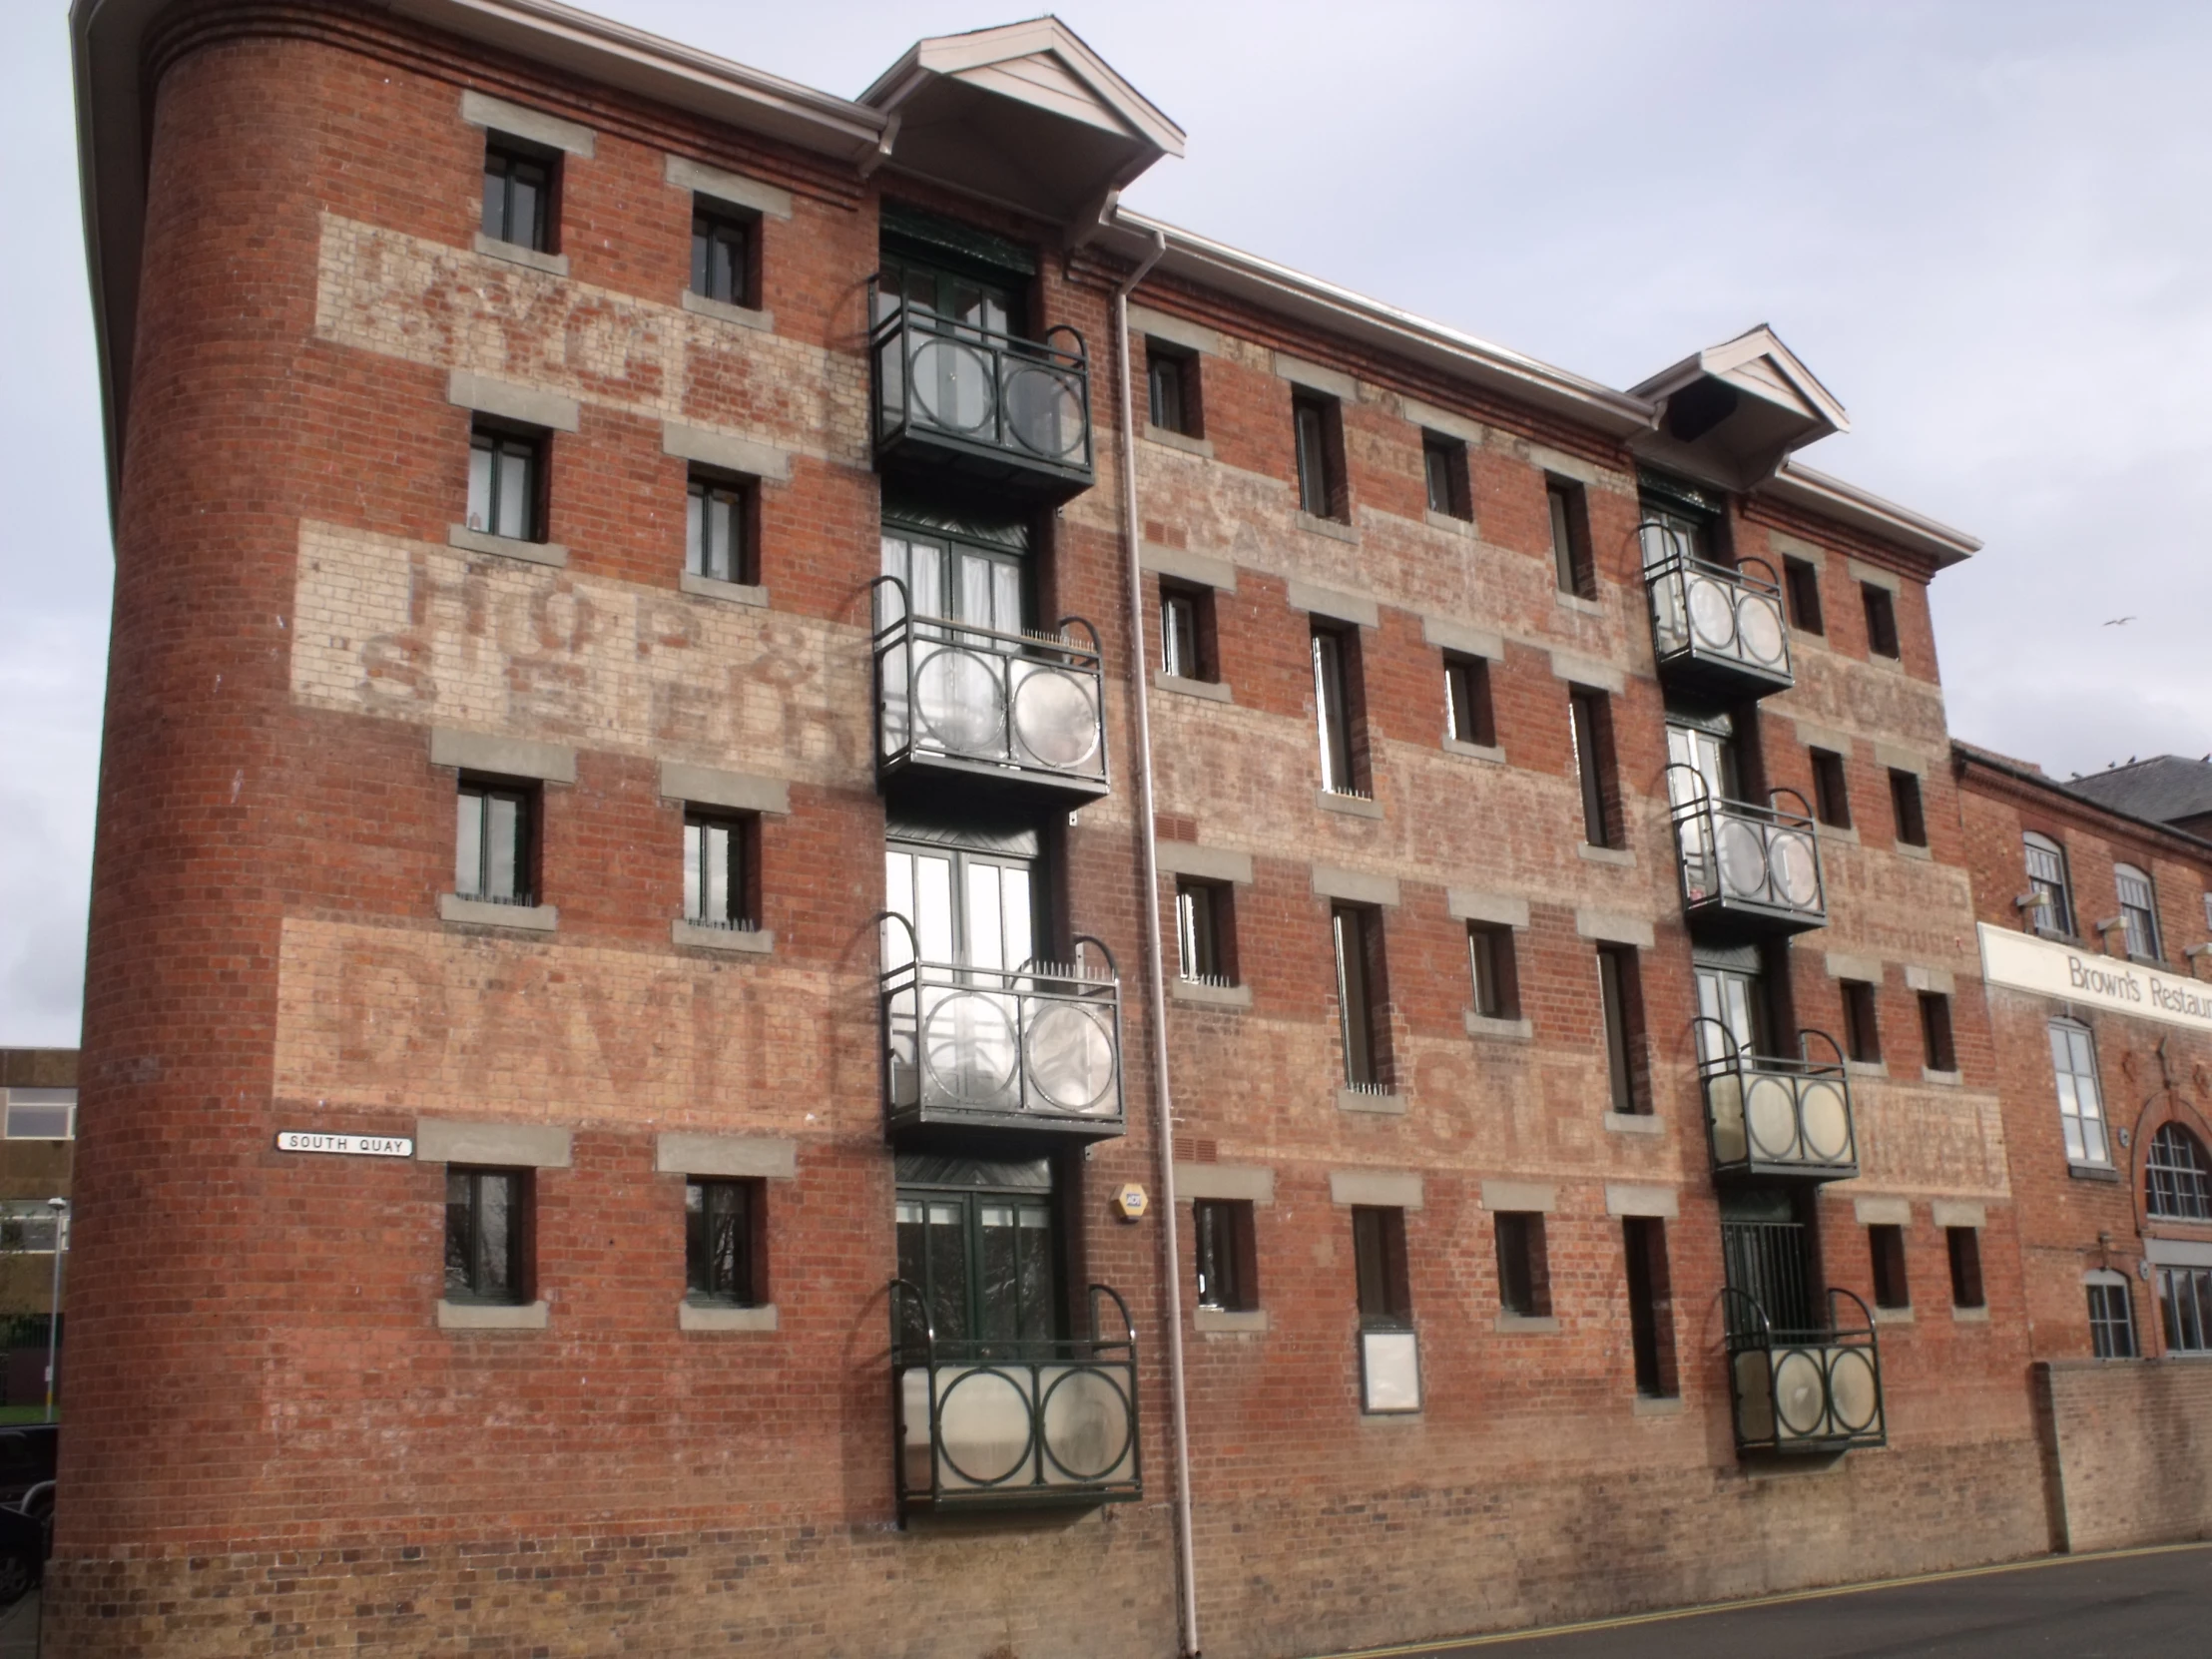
(2131, 1447)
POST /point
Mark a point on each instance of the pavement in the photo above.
(2133, 1604)
(19, 1629)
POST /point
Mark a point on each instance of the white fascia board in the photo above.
(1829, 497)
(959, 55)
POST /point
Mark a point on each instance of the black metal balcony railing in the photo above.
(1746, 869)
(1766, 1116)
(1714, 627)
(1020, 708)
(1011, 414)
(1036, 1047)
(1804, 1390)
(1013, 1425)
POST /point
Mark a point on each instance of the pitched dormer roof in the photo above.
(1733, 411)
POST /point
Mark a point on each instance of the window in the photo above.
(2186, 1301)
(718, 528)
(1571, 538)
(1226, 1256)
(2174, 1176)
(484, 1227)
(506, 472)
(1201, 931)
(1862, 1027)
(1905, 808)
(1523, 1273)
(1357, 935)
(1802, 582)
(1334, 711)
(2111, 1319)
(1881, 620)
(1491, 966)
(1937, 1051)
(719, 871)
(1964, 1246)
(1620, 992)
(2074, 1060)
(40, 1114)
(725, 242)
(1591, 722)
(1468, 717)
(32, 1227)
(1444, 464)
(1650, 1306)
(493, 845)
(1187, 632)
(723, 1236)
(1171, 378)
(518, 193)
(2051, 905)
(2139, 911)
(1885, 1246)
(1319, 429)
(1831, 789)
(1379, 1261)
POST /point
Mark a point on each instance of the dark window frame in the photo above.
(741, 874)
(1801, 580)
(2139, 911)
(1470, 715)
(1621, 1013)
(1172, 376)
(527, 798)
(1567, 515)
(2052, 885)
(503, 442)
(1831, 788)
(2177, 1176)
(1188, 647)
(1446, 485)
(1880, 606)
(475, 1261)
(1650, 1307)
(1362, 998)
(1962, 1245)
(1523, 1264)
(1596, 765)
(2111, 1320)
(1205, 932)
(734, 1274)
(1493, 971)
(1340, 710)
(509, 162)
(1939, 1038)
(740, 546)
(2185, 1309)
(1908, 810)
(1224, 1254)
(1382, 1275)
(1893, 1283)
(716, 225)
(1862, 1002)
(1316, 435)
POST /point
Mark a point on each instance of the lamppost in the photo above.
(60, 1206)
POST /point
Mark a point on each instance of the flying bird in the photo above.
(2119, 622)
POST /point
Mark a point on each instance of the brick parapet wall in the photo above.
(2134, 1452)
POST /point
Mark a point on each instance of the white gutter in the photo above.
(1186, 1560)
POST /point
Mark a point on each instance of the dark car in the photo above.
(26, 1460)
(23, 1546)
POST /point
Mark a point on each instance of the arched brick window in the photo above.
(2175, 1176)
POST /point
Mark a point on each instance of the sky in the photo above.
(1982, 226)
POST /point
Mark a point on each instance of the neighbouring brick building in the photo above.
(38, 1128)
(689, 783)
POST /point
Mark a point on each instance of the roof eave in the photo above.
(1801, 486)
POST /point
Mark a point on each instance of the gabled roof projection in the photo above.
(1025, 112)
(1733, 410)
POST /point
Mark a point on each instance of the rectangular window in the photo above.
(1802, 583)
(518, 193)
(1881, 620)
(1357, 936)
(1886, 1245)
(40, 1114)
(2051, 907)
(1862, 1028)
(718, 876)
(2111, 1320)
(1905, 808)
(484, 1234)
(1379, 1260)
(1201, 931)
(1318, 427)
(1964, 1245)
(1171, 379)
(2185, 1304)
(506, 482)
(1572, 564)
(1187, 632)
(1227, 1277)
(2073, 1063)
(1650, 1306)
(1621, 994)
(723, 1230)
(1523, 1273)
(1444, 464)
(32, 1227)
(1334, 710)
(724, 244)
(1590, 720)
(1469, 716)
(1831, 789)
(1490, 963)
(1938, 1052)
(718, 528)
(493, 843)
(2139, 911)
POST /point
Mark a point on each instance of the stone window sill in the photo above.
(1450, 523)
(1634, 1123)
(1970, 1316)
(1906, 849)
(1575, 601)
(751, 941)
(1353, 805)
(506, 547)
(723, 312)
(1484, 1025)
(492, 1316)
(1950, 1079)
(1891, 1316)
(1214, 691)
(730, 593)
(1648, 1407)
(1226, 1322)
(2092, 1172)
(1526, 1325)
(1475, 751)
(514, 919)
(1178, 440)
(1866, 1068)
(1334, 528)
(1617, 855)
(1360, 1100)
(550, 265)
(1844, 832)
(1211, 997)
(695, 1316)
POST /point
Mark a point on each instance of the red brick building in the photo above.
(723, 700)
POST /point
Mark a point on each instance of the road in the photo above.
(2149, 1604)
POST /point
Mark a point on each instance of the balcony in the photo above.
(1771, 1118)
(1010, 416)
(1013, 1425)
(1804, 1392)
(1748, 871)
(1018, 713)
(1035, 1048)
(1714, 629)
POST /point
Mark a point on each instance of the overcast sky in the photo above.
(1984, 227)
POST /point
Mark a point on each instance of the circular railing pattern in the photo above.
(1853, 1390)
(959, 704)
(1044, 410)
(1796, 869)
(985, 1412)
(1088, 1423)
(1071, 1058)
(968, 1048)
(1056, 717)
(954, 386)
(1823, 1119)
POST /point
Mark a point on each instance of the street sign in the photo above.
(352, 1146)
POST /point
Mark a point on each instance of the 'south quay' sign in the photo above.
(2028, 963)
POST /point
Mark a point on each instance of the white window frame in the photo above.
(2076, 1114)
(10, 1099)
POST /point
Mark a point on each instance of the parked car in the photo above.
(26, 1459)
(23, 1546)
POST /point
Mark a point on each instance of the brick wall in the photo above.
(2133, 1449)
